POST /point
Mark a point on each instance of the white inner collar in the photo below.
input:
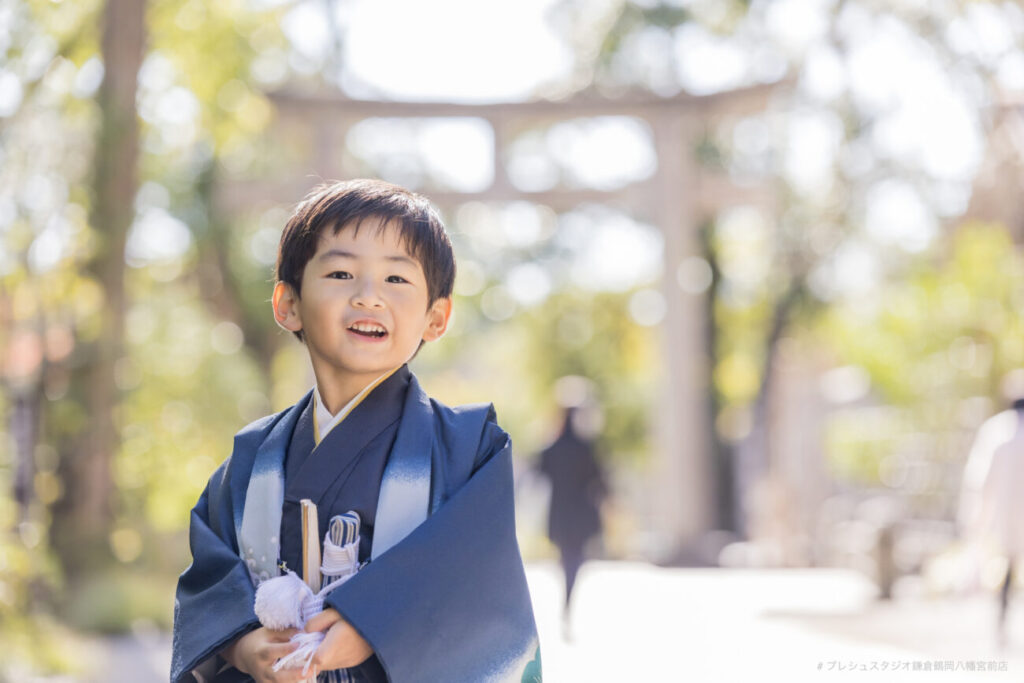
(325, 422)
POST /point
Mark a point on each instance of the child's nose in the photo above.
(367, 295)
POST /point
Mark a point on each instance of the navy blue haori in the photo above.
(443, 594)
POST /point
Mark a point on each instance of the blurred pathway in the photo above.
(635, 622)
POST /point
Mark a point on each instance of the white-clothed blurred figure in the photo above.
(992, 505)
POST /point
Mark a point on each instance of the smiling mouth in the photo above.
(367, 330)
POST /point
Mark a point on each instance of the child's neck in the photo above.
(337, 391)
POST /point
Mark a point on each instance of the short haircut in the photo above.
(347, 204)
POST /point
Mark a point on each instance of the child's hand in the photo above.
(255, 654)
(342, 647)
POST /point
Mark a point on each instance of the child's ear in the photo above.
(286, 307)
(437, 319)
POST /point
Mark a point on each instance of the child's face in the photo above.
(363, 308)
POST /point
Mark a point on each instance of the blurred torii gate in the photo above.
(679, 195)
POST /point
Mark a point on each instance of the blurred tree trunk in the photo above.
(24, 426)
(83, 519)
(753, 452)
(223, 287)
(726, 517)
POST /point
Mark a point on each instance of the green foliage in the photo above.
(633, 18)
(515, 364)
(32, 640)
(933, 344)
(39, 644)
(212, 47)
(110, 603)
(951, 327)
(189, 390)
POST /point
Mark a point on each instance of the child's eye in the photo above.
(340, 275)
(396, 278)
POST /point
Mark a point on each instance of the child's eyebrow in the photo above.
(341, 253)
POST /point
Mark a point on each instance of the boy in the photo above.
(364, 277)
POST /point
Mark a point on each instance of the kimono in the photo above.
(443, 596)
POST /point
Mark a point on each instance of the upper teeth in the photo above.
(367, 327)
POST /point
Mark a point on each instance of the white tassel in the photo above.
(303, 654)
(279, 601)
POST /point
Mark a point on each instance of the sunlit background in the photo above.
(781, 239)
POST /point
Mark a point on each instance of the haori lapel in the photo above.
(334, 458)
(261, 508)
(404, 500)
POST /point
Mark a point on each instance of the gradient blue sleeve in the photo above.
(213, 603)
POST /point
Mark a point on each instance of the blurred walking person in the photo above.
(992, 506)
(577, 489)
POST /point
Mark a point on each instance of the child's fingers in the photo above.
(275, 651)
(281, 636)
(323, 621)
(332, 639)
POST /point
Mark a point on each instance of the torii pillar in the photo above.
(683, 474)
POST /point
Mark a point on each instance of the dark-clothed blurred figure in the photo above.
(577, 489)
